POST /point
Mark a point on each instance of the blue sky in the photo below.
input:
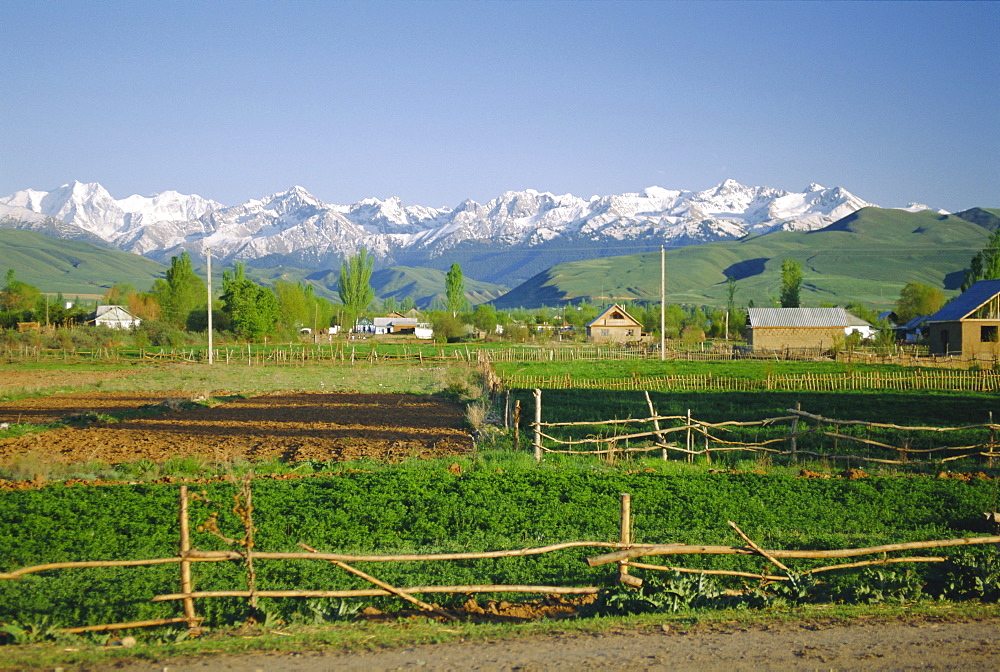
(436, 102)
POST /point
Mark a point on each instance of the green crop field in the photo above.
(427, 508)
(495, 498)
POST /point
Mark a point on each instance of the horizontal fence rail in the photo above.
(624, 552)
(387, 350)
(701, 438)
(937, 379)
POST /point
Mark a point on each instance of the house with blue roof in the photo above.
(969, 325)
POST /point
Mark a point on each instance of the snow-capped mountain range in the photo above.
(295, 228)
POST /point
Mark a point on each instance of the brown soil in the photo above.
(287, 426)
(868, 644)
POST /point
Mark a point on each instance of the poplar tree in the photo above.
(986, 264)
(179, 292)
(791, 282)
(355, 288)
(454, 285)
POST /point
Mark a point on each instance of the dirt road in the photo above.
(923, 644)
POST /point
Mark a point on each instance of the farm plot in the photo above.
(291, 427)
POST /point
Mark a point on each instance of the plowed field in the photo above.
(287, 426)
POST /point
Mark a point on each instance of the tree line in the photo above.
(177, 305)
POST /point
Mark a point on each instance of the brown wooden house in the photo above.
(614, 325)
(969, 325)
(803, 329)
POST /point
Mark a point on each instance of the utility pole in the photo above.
(663, 303)
(208, 258)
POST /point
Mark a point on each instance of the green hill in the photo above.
(70, 266)
(78, 268)
(866, 257)
(424, 285)
(988, 218)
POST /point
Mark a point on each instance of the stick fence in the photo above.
(648, 440)
(623, 552)
(938, 379)
(358, 351)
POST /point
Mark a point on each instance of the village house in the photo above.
(115, 317)
(394, 323)
(802, 328)
(969, 325)
(614, 325)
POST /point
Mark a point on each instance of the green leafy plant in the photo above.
(970, 575)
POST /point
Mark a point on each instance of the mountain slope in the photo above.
(72, 267)
(867, 256)
(503, 241)
(424, 285)
(988, 218)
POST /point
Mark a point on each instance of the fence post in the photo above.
(625, 529)
(538, 425)
(186, 583)
(656, 423)
(794, 431)
(992, 444)
(517, 424)
(690, 457)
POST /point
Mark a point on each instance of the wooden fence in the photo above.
(249, 355)
(624, 553)
(707, 434)
(345, 350)
(937, 379)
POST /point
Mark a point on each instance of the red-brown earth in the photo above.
(289, 426)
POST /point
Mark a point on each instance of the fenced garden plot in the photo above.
(891, 428)
(253, 354)
(940, 379)
(252, 574)
(389, 348)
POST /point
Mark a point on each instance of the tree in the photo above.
(252, 309)
(355, 282)
(118, 293)
(17, 296)
(180, 292)
(918, 299)
(300, 307)
(731, 294)
(454, 285)
(791, 281)
(484, 318)
(986, 264)
(447, 327)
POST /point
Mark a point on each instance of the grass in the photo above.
(92, 651)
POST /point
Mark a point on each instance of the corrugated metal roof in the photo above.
(967, 302)
(803, 317)
(113, 313)
(397, 321)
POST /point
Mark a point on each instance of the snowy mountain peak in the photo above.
(294, 227)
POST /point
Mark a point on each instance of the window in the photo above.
(605, 332)
(988, 334)
(629, 332)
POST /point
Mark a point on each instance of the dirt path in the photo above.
(973, 645)
(288, 426)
